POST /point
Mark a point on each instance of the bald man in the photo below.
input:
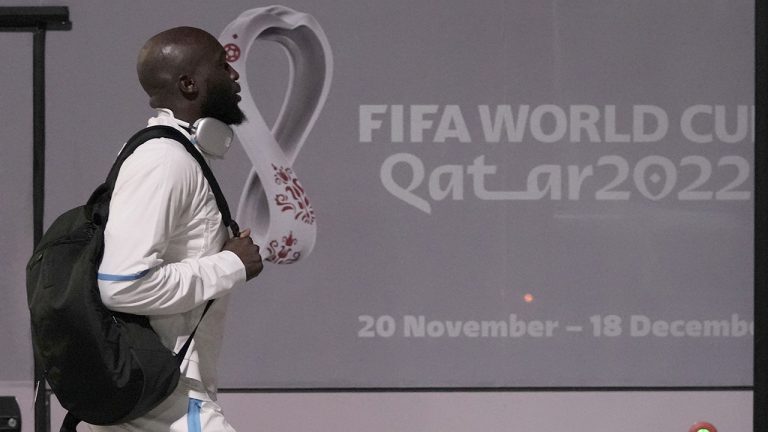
(166, 250)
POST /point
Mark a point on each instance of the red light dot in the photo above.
(528, 298)
(703, 427)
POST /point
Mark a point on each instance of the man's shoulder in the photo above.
(163, 151)
(162, 154)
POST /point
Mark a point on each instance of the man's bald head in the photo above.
(175, 67)
(170, 54)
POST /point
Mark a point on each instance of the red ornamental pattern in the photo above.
(295, 199)
(281, 252)
(232, 51)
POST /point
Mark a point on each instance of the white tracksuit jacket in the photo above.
(163, 255)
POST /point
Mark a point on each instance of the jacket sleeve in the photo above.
(155, 261)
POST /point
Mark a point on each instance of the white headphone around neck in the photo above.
(213, 136)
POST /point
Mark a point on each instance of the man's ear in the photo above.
(187, 85)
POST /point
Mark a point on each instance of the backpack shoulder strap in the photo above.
(70, 423)
(161, 131)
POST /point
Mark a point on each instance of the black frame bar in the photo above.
(26, 18)
(760, 398)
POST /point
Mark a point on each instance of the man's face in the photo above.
(221, 98)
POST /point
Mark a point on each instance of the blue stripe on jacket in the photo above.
(193, 415)
(121, 278)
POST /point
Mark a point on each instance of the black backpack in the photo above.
(104, 367)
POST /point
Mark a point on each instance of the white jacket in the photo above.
(162, 253)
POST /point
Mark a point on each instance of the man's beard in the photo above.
(221, 104)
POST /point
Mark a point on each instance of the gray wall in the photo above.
(591, 258)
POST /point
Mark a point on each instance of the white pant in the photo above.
(178, 413)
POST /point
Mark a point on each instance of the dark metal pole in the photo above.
(42, 396)
(38, 125)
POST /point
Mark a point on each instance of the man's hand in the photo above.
(248, 253)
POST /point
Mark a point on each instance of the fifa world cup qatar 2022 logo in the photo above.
(273, 201)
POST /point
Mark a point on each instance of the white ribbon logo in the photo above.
(273, 202)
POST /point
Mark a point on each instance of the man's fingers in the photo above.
(246, 234)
